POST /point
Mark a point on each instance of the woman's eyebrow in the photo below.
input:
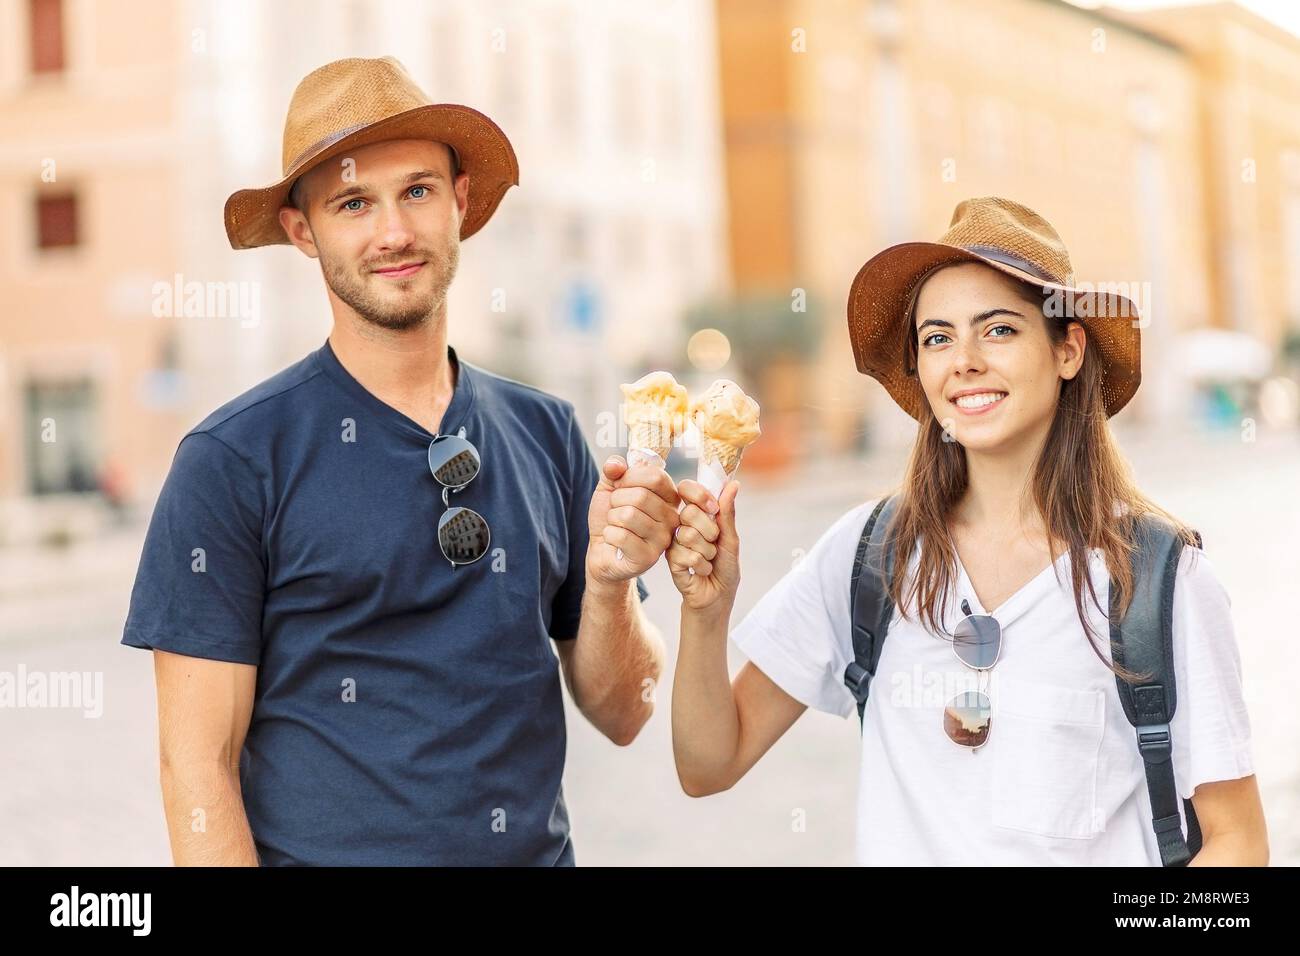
(974, 319)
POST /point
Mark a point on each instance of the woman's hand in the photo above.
(706, 543)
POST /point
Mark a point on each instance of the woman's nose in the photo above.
(966, 355)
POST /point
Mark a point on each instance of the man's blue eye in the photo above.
(414, 188)
(347, 205)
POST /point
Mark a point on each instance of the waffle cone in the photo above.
(724, 453)
(655, 436)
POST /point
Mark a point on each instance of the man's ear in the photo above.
(461, 189)
(298, 229)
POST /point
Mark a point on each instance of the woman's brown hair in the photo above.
(1094, 503)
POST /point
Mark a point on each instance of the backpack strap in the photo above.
(871, 608)
(1143, 642)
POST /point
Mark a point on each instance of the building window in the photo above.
(56, 221)
(46, 19)
(61, 452)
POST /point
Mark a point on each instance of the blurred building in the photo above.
(871, 119)
(580, 280)
(89, 180)
(1248, 96)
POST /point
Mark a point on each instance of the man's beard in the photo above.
(411, 310)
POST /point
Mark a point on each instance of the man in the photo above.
(355, 571)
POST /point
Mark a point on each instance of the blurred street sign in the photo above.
(582, 307)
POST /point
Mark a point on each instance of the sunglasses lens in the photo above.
(977, 640)
(463, 536)
(453, 461)
(967, 718)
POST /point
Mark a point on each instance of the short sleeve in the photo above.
(1211, 728)
(799, 632)
(566, 607)
(200, 586)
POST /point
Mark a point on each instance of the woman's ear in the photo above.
(1071, 350)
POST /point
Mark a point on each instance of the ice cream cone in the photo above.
(654, 411)
(724, 453)
(727, 420)
(652, 436)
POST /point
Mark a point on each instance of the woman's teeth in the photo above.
(980, 400)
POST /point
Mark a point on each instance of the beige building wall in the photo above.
(105, 128)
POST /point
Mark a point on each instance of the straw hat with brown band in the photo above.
(355, 102)
(1014, 240)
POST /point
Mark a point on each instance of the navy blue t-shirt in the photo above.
(406, 713)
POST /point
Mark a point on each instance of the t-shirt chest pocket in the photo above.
(1045, 742)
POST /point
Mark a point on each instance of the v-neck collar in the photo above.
(1018, 602)
(462, 397)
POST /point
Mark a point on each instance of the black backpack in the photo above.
(1143, 643)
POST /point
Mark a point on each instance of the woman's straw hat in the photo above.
(1014, 240)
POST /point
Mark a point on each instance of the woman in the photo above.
(1016, 504)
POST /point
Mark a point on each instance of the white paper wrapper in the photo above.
(709, 473)
(636, 455)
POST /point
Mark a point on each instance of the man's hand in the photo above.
(635, 510)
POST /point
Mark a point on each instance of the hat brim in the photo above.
(881, 295)
(253, 215)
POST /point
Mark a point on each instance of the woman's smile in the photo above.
(978, 403)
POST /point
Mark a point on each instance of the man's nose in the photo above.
(394, 226)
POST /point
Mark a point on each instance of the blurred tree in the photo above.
(773, 340)
(763, 329)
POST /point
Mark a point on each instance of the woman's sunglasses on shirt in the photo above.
(977, 642)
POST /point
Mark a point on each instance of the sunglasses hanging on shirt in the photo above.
(463, 534)
(977, 642)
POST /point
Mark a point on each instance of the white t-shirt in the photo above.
(1059, 780)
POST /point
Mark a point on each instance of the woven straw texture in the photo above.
(987, 230)
(352, 103)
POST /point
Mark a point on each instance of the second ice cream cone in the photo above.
(719, 461)
(727, 420)
(724, 453)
